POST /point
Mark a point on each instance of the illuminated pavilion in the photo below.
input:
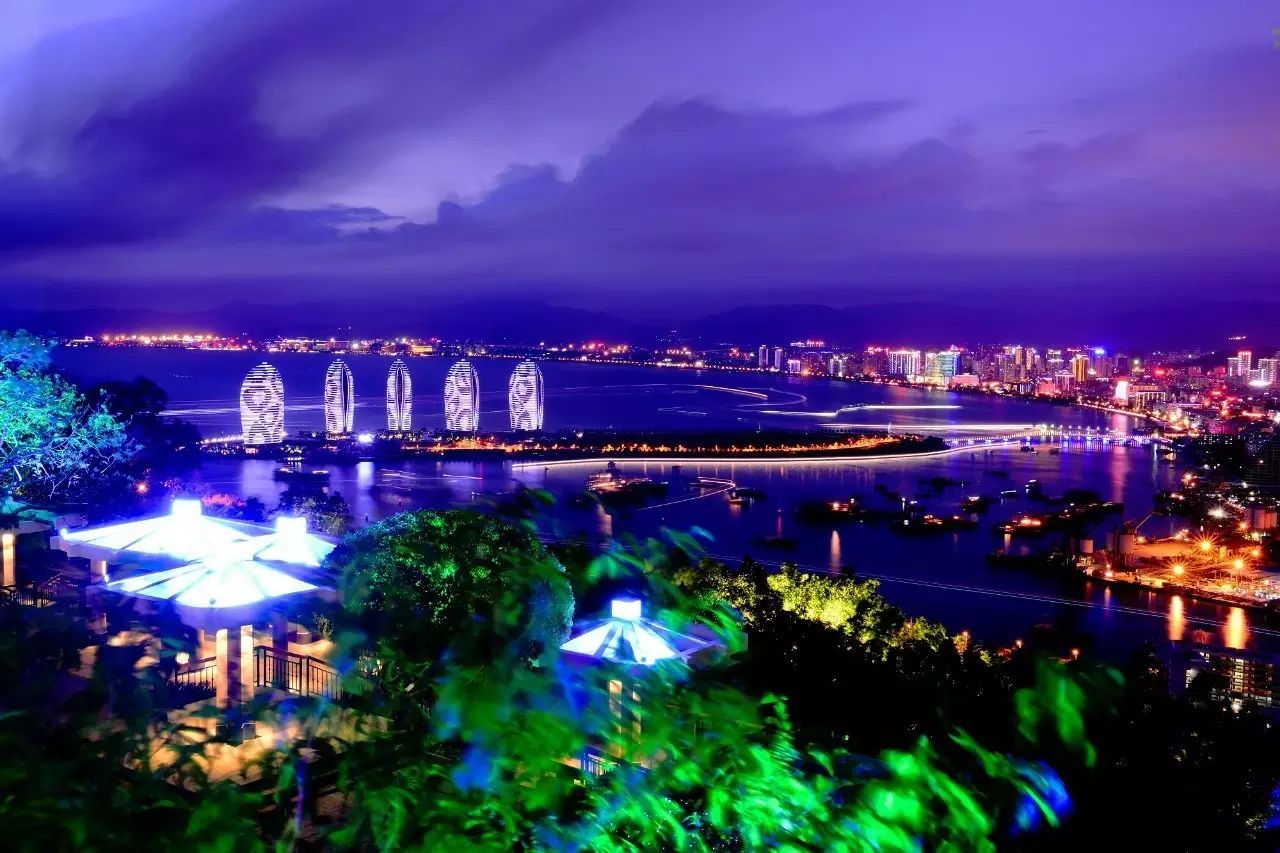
(234, 583)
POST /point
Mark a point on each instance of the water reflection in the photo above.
(836, 560)
(1236, 631)
(1177, 618)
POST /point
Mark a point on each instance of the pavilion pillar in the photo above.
(229, 685)
(279, 632)
(8, 558)
(97, 570)
(246, 662)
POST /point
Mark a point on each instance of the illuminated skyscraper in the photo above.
(779, 358)
(462, 398)
(1080, 368)
(763, 356)
(339, 399)
(399, 398)
(942, 367)
(904, 362)
(524, 397)
(262, 406)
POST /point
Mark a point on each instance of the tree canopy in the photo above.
(54, 445)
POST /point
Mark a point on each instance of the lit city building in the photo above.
(525, 397)
(399, 398)
(1080, 368)
(262, 406)
(763, 356)
(779, 358)
(462, 398)
(942, 366)
(904, 362)
(339, 399)
(1267, 370)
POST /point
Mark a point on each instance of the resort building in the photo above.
(339, 399)
(462, 398)
(525, 397)
(262, 406)
(399, 398)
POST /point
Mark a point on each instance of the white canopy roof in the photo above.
(289, 543)
(628, 638)
(216, 583)
(184, 534)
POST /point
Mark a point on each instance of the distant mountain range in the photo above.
(504, 320)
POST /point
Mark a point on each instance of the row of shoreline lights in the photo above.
(262, 400)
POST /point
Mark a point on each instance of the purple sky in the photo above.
(646, 157)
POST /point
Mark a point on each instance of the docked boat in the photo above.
(303, 476)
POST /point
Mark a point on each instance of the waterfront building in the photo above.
(525, 395)
(1080, 368)
(262, 406)
(462, 398)
(779, 355)
(763, 356)
(399, 398)
(339, 399)
(1267, 368)
(942, 367)
(1236, 676)
(904, 362)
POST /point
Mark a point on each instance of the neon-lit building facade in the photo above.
(339, 399)
(262, 406)
(399, 397)
(525, 397)
(462, 398)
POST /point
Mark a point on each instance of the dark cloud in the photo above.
(252, 145)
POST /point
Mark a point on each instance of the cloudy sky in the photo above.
(647, 157)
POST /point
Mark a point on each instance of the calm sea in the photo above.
(944, 577)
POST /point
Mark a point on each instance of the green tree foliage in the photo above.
(165, 445)
(690, 761)
(325, 512)
(416, 578)
(54, 446)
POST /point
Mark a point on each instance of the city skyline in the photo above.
(990, 168)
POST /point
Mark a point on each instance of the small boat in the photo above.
(294, 474)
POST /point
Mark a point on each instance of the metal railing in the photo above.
(201, 674)
(294, 673)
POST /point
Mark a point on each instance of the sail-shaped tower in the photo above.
(262, 406)
(399, 397)
(524, 397)
(462, 398)
(339, 399)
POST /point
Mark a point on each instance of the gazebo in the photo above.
(624, 645)
(226, 597)
(224, 578)
(185, 534)
(627, 638)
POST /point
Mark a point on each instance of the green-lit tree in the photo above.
(325, 512)
(53, 445)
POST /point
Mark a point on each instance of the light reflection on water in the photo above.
(1177, 618)
(1013, 599)
(1235, 634)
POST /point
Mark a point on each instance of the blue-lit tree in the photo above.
(53, 445)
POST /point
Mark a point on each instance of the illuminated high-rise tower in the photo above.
(524, 397)
(339, 399)
(462, 398)
(262, 406)
(399, 398)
